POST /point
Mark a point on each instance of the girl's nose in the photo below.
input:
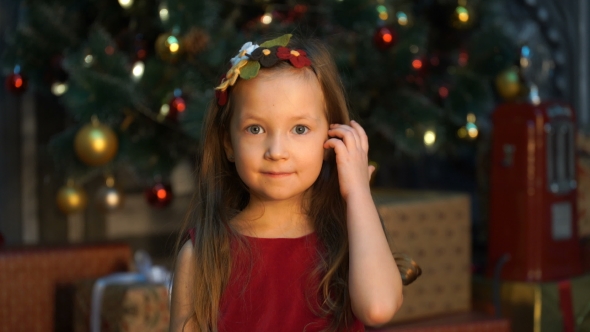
(277, 148)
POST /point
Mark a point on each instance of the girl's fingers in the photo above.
(347, 134)
(336, 144)
(371, 170)
(364, 140)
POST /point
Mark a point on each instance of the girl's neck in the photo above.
(273, 219)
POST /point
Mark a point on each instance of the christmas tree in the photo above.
(136, 75)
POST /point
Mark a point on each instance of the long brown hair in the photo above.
(220, 195)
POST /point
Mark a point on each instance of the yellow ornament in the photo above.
(508, 84)
(71, 198)
(96, 144)
(169, 47)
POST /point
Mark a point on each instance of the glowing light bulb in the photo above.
(126, 3)
(429, 138)
(417, 64)
(402, 18)
(266, 18)
(88, 60)
(165, 109)
(138, 69)
(173, 44)
(462, 14)
(471, 117)
(164, 14)
(59, 88)
(112, 199)
(472, 130)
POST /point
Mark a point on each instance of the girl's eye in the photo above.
(300, 129)
(254, 129)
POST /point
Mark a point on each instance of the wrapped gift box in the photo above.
(537, 307)
(37, 282)
(131, 308)
(434, 229)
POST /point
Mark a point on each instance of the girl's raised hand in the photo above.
(351, 147)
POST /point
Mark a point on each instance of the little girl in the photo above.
(284, 234)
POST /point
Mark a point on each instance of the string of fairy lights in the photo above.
(96, 144)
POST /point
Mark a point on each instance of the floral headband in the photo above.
(251, 56)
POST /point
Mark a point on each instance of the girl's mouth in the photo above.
(276, 174)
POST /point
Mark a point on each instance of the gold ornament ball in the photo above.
(109, 198)
(96, 144)
(169, 47)
(71, 199)
(508, 84)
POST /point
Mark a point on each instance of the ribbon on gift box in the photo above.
(565, 305)
(146, 273)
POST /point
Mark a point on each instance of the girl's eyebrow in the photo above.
(300, 117)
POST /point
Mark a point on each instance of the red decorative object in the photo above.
(140, 47)
(384, 38)
(298, 58)
(16, 83)
(533, 198)
(221, 95)
(296, 13)
(565, 305)
(417, 63)
(177, 106)
(159, 195)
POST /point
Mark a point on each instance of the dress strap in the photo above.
(191, 233)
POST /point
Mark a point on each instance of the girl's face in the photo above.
(277, 132)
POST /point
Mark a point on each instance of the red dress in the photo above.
(273, 295)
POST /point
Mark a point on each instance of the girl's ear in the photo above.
(227, 146)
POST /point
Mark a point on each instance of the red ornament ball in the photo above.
(16, 83)
(159, 195)
(384, 38)
(177, 107)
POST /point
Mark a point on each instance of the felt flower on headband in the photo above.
(266, 56)
(246, 64)
(298, 58)
(243, 54)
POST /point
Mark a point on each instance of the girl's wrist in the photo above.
(358, 194)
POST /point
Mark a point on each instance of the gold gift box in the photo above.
(434, 229)
(535, 307)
